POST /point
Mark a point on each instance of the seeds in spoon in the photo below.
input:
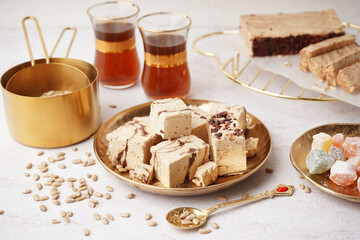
(196, 221)
(186, 221)
(190, 217)
(185, 214)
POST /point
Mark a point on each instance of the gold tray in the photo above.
(301, 148)
(255, 129)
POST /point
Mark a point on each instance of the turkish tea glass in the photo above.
(116, 57)
(165, 73)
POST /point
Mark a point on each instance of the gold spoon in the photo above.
(173, 217)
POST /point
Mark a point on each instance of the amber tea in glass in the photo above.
(116, 57)
(166, 73)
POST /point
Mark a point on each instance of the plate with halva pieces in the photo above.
(183, 147)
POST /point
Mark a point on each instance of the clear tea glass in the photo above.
(116, 57)
(166, 73)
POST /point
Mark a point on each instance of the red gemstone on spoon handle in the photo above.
(282, 189)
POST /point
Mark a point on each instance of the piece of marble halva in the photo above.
(142, 172)
(176, 161)
(198, 124)
(227, 143)
(251, 146)
(206, 174)
(131, 142)
(238, 112)
(170, 118)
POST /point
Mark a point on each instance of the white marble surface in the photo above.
(303, 216)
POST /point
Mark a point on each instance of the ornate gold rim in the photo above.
(113, 2)
(176, 191)
(236, 72)
(316, 184)
(164, 31)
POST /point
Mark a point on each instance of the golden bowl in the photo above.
(300, 149)
(53, 121)
(255, 129)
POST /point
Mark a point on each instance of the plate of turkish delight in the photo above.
(329, 157)
(183, 147)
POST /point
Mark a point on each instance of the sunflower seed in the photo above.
(86, 232)
(88, 175)
(301, 177)
(82, 180)
(76, 161)
(40, 153)
(84, 163)
(60, 165)
(2, 212)
(66, 219)
(110, 189)
(148, 216)
(36, 176)
(96, 216)
(59, 158)
(63, 213)
(56, 184)
(288, 64)
(83, 188)
(94, 178)
(60, 180)
(110, 217)
(56, 202)
(130, 196)
(44, 198)
(44, 164)
(184, 214)
(86, 195)
(214, 225)
(43, 208)
(88, 154)
(186, 222)
(55, 221)
(112, 106)
(196, 221)
(90, 191)
(91, 162)
(69, 200)
(151, 223)
(190, 217)
(27, 174)
(95, 201)
(125, 215)
(51, 159)
(36, 197)
(104, 220)
(75, 149)
(48, 175)
(71, 180)
(27, 191)
(78, 199)
(60, 154)
(302, 186)
(244, 195)
(307, 189)
(69, 213)
(269, 170)
(39, 186)
(44, 170)
(107, 196)
(28, 166)
(204, 231)
(55, 197)
(222, 198)
(91, 204)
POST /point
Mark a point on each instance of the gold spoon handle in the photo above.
(280, 190)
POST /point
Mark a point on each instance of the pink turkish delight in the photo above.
(343, 173)
(351, 147)
(338, 140)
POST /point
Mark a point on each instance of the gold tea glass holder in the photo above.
(232, 70)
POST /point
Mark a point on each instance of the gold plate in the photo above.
(255, 129)
(301, 148)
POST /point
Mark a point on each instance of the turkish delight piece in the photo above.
(343, 173)
(322, 141)
(338, 140)
(176, 161)
(206, 174)
(336, 153)
(170, 118)
(318, 161)
(142, 172)
(251, 146)
(352, 147)
(358, 184)
(354, 161)
(227, 143)
(131, 142)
